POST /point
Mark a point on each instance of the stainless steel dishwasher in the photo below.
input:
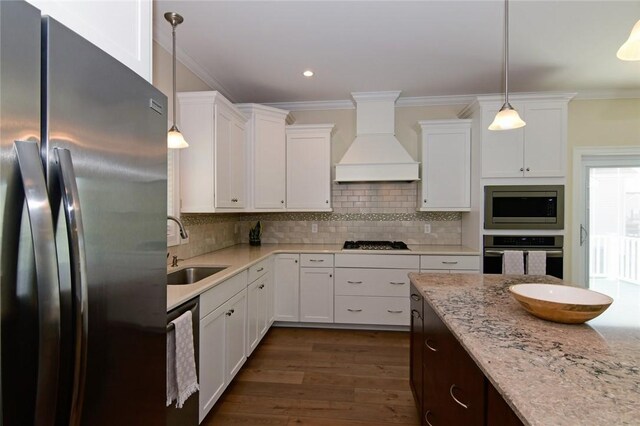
(188, 414)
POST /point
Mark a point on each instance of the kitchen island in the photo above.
(548, 373)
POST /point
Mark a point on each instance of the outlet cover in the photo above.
(314, 228)
(427, 228)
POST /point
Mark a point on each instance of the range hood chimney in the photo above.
(376, 154)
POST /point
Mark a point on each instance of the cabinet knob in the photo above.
(281, 201)
(522, 169)
(295, 261)
(229, 312)
(235, 200)
(424, 201)
(326, 201)
(528, 169)
(463, 405)
(330, 275)
(261, 286)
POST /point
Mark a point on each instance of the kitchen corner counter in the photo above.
(239, 257)
(549, 373)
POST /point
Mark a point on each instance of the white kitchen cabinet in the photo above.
(535, 150)
(450, 264)
(373, 288)
(309, 167)
(444, 151)
(316, 288)
(212, 169)
(222, 349)
(287, 287)
(266, 157)
(123, 28)
(260, 304)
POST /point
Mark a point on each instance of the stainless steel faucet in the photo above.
(183, 232)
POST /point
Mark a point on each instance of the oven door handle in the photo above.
(495, 253)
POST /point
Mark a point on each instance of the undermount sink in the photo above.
(192, 274)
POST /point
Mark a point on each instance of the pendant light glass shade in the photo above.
(507, 118)
(175, 140)
(630, 50)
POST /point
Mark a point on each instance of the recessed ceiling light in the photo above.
(308, 73)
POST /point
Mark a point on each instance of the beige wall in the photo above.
(596, 123)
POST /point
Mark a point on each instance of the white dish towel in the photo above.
(513, 262)
(537, 263)
(182, 380)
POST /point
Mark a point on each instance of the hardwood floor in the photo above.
(319, 377)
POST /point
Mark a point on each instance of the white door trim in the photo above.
(583, 159)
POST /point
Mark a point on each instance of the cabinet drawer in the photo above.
(400, 261)
(372, 310)
(211, 299)
(372, 282)
(450, 262)
(316, 260)
(259, 269)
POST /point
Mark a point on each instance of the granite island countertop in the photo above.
(241, 256)
(549, 373)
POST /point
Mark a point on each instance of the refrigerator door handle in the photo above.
(75, 231)
(47, 279)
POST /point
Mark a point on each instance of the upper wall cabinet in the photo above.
(212, 169)
(536, 150)
(309, 167)
(266, 157)
(120, 28)
(444, 151)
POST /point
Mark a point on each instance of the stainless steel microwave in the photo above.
(524, 207)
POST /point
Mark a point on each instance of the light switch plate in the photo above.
(314, 228)
(427, 228)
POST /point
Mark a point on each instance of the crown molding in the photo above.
(312, 105)
(425, 101)
(165, 42)
(608, 94)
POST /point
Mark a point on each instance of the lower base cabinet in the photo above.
(316, 295)
(448, 386)
(222, 349)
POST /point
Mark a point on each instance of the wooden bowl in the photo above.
(560, 303)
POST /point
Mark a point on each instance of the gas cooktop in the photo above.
(374, 245)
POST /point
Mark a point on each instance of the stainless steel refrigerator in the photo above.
(82, 231)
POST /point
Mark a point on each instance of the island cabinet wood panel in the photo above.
(448, 386)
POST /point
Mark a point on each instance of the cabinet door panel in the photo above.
(235, 337)
(253, 316)
(212, 359)
(544, 150)
(308, 172)
(287, 287)
(502, 151)
(316, 294)
(223, 149)
(269, 164)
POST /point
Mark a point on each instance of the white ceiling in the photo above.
(256, 51)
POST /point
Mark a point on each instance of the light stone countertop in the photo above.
(549, 373)
(239, 257)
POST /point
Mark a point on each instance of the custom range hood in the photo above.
(376, 154)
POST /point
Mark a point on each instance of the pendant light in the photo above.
(630, 50)
(507, 118)
(175, 140)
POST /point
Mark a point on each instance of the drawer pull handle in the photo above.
(229, 312)
(416, 314)
(426, 417)
(456, 399)
(426, 343)
(259, 269)
(394, 312)
(415, 297)
(450, 263)
(354, 310)
(396, 283)
(261, 286)
(354, 282)
(316, 260)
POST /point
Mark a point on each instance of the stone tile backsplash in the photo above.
(361, 211)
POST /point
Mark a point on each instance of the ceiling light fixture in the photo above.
(507, 118)
(175, 140)
(308, 73)
(630, 50)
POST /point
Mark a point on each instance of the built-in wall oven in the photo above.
(524, 207)
(495, 246)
